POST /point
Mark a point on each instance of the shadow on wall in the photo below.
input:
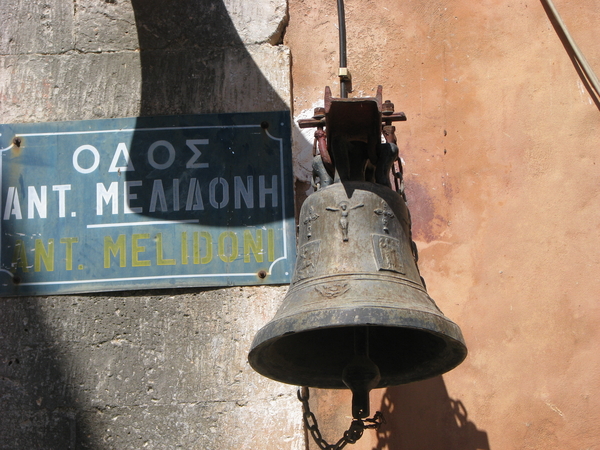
(192, 61)
(38, 408)
(421, 416)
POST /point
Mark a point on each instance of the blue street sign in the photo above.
(144, 203)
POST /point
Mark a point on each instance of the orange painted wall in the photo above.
(502, 171)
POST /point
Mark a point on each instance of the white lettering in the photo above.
(194, 194)
(192, 164)
(239, 192)
(13, 206)
(158, 194)
(104, 195)
(35, 202)
(121, 150)
(212, 192)
(176, 194)
(61, 188)
(263, 191)
(128, 196)
(94, 165)
(170, 159)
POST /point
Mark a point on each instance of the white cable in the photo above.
(583, 64)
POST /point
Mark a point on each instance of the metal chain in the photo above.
(351, 435)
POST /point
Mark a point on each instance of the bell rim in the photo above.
(279, 329)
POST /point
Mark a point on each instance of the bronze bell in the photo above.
(357, 314)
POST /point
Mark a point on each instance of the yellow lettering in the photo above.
(159, 253)
(196, 247)
(19, 259)
(233, 247)
(256, 246)
(69, 251)
(41, 255)
(271, 244)
(198, 259)
(115, 248)
(184, 248)
(136, 249)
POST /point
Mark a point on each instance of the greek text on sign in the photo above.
(138, 203)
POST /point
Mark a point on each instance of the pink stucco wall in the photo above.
(502, 165)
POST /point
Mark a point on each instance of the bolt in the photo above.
(387, 108)
(262, 274)
(17, 141)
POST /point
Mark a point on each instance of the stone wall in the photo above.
(146, 369)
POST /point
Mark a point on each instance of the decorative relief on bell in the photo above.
(386, 214)
(344, 210)
(308, 220)
(307, 260)
(332, 290)
(388, 253)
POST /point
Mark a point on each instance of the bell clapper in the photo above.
(361, 374)
(351, 435)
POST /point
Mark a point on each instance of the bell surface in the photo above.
(355, 269)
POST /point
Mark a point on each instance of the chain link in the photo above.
(351, 435)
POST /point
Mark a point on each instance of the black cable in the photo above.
(342, 34)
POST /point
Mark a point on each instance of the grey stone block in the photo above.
(30, 27)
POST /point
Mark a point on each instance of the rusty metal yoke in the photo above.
(348, 139)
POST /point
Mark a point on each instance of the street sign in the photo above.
(144, 203)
